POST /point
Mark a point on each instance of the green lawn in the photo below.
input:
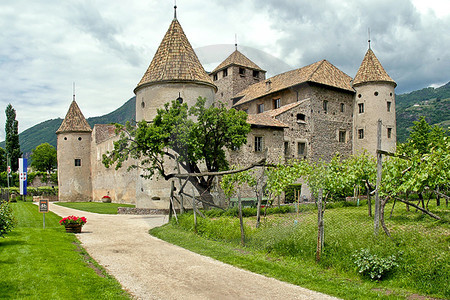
(284, 248)
(37, 263)
(95, 207)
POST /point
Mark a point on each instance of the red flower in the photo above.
(73, 220)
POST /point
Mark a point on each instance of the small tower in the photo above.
(233, 75)
(374, 100)
(74, 157)
(175, 73)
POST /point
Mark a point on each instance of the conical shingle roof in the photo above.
(237, 58)
(175, 61)
(74, 121)
(371, 70)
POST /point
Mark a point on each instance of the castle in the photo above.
(311, 112)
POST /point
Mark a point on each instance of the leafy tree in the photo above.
(3, 161)
(7, 220)
(12, 137)
(193, 136)
(43, 158)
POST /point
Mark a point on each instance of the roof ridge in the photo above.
(233, 58)
(315, 70)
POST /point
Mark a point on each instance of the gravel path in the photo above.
(150, 268)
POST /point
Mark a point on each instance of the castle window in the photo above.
(241, 71)
(276, 103)
(255, 74)
(215, 77)
(65, 138)
(142, 104)
(360, 134)
(389, 133)
(260, 108)
(389, 103)
(342, 107)
(325, 105)
(79, 138)
(390, 94)
(258, 143)
(301, 118)
(360, 108)
(225, 73)
(77, 162)
(359, 95)
(301, 149)
(342, 136)
(286, 148)
(376, 93)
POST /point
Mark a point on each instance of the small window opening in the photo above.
(77, 162)
(301, 148)
(342, 107)
(215, 77)
(325, 105)
(260, 108)
(389, 103)
(79, 138)
(65, 138)
(301, 118)
(342, 136)
(376, 93)
(225, 73)
(258, 144)
(359, 95)
(389, 133)
(360, 134)
(255, 74)
(360, 108)
(286, 148)
(276, 103)
(241, 71)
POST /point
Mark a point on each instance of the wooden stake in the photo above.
(320, 234)
(195, 210)
(241, 221)
(376, 223)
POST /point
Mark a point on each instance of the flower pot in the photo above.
(73, 228)
(106, 200)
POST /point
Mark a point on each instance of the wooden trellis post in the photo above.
(320, 235)
(377, 191)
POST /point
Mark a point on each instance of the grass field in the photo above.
(37, 263)
(95, 207)
(284, 248)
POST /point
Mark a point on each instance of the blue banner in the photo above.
(23, 175)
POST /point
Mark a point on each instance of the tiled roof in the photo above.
(74, 121)
(175, 61)
(264, 120)
(239, 59)
(321, 72)
(371, 70)
(284, 108)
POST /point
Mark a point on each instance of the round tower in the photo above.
(175, 72)
(374, 100)
(74, 157)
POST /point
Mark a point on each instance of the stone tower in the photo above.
(174, 72)
(74, 157)
(234, 74)
(374, 100)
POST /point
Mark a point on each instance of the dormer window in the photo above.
(215, 77)
(225, 73)
(268, 85)
(260, 108)
(241, 71)
(276, 103)
(255, 74)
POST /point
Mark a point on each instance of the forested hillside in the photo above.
(432, 103)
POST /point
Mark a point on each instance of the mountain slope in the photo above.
(45, 132)
(432, 103)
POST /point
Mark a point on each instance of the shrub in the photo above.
(372, 265)
(7, 220)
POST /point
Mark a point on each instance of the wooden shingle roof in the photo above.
(239, 59)
(371, 70)
(175, 61)
(321, 72)
(74, 121)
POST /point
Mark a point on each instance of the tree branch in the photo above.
(419, 208)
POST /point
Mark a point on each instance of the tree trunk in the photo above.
(241, 221)
(383, 204)
(258, 208)
(369, 202)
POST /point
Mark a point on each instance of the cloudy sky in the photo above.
(105, 46)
